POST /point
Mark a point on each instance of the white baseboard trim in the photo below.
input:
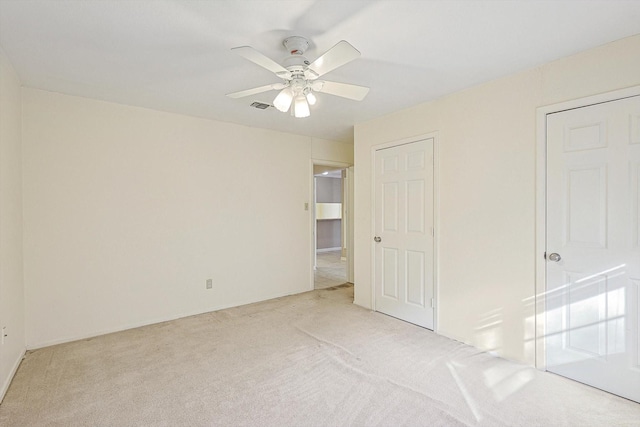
(329, 249)
(47, 343)
(12, 373)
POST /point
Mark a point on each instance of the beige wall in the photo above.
(487, 181)
(11, 278)
(331, 151)
(128, 211)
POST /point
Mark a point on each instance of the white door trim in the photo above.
(436, 210)
(541, 205)
(350, 222)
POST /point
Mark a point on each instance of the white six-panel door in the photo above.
(593, 245)
(404, 214)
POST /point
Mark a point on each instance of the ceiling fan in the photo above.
(300, 77)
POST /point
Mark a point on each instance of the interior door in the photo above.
(404, 242)
(593, 245)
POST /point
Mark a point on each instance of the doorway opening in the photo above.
(331, 225)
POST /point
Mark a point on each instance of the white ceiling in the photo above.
(174, 55)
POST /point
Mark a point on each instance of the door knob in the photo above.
(555, 257)
(377, 239)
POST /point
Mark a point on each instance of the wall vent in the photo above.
(260, 105)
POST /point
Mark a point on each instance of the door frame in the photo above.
(541, 205)
(312, 218)
(436, 215)
(350, 224)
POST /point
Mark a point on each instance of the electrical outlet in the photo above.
(209, 283)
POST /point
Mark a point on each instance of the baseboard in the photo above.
(14, 369)
(329, 249)
(168, 318)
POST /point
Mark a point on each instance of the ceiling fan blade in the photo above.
(357, 93)
(335, 57)
(256, 57)
(255, 90)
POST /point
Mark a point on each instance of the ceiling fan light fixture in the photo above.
(283, 101)
(301, 107)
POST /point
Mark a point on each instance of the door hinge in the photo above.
(433, 303)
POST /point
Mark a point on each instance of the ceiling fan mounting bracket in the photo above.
(296, 45)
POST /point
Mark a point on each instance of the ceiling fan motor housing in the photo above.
(296, 64)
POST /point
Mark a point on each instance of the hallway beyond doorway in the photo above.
(331, 270)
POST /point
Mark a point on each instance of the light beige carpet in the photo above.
(311, 359)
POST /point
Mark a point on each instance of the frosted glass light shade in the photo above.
(311, 98)
(283, 100)
(301, 107)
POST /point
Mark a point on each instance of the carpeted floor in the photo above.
(331, 270)
(311, 359)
